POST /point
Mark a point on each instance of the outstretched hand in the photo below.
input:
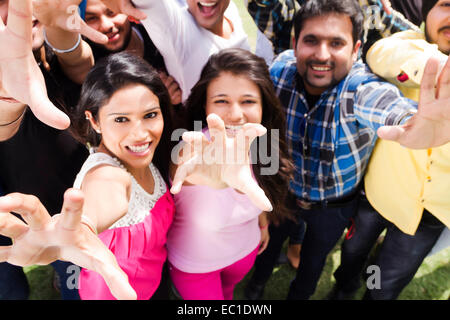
(44, 239)
(222, 161)
(20, 75)
(430, 126)
(126, 7)
(64, 14)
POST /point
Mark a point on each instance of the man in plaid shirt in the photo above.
(334, 107)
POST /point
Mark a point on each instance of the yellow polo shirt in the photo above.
(401, 182)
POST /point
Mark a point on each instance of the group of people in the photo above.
(95, 177)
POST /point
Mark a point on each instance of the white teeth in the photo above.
(230, 127)
(208, 4)
(139, 149)
(321, 68)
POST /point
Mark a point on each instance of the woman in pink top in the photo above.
(123, 112)
(217, 232)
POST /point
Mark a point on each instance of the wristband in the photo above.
(60, 50)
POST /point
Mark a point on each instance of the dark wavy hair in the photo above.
(241, 62)
(109, 75)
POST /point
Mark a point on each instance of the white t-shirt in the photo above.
(185, 45)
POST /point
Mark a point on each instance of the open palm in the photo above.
(44, 239)
(222, 161)
(430, 126)
(20, 75)
(64, 14)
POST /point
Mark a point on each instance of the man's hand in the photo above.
(44, 239)
(126, 7)
(222, 161)
(64, 14)
(20, 75)
(430, 126)
(173, 88)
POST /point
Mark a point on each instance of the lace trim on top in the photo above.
(141, 202)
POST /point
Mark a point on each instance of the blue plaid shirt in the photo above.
(331, 142)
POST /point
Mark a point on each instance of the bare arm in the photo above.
(106, 190)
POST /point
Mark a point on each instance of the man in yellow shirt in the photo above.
(409, 189)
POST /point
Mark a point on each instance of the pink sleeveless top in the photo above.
(140, 248)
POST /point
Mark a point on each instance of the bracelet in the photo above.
(14, 121)
(264, 227)
(60, 50)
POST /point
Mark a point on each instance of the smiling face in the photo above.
(325, 51)
(438, 25)
(209, 14)
(116, 27)
(235, 99)
(131, 125)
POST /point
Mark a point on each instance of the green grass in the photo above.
(247, 21)
(431, 282)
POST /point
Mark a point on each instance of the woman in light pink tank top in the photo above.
(217, 232)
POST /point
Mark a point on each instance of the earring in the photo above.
(98, 131)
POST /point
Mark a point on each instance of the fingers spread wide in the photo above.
(10, 226)
(444, 82)
(427, 85)
(28, 206)
(72, 209)
(20, 17)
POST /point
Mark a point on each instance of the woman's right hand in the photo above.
(220, 162)
(44, 239)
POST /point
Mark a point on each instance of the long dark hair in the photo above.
(244, 63)
(109, 75)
